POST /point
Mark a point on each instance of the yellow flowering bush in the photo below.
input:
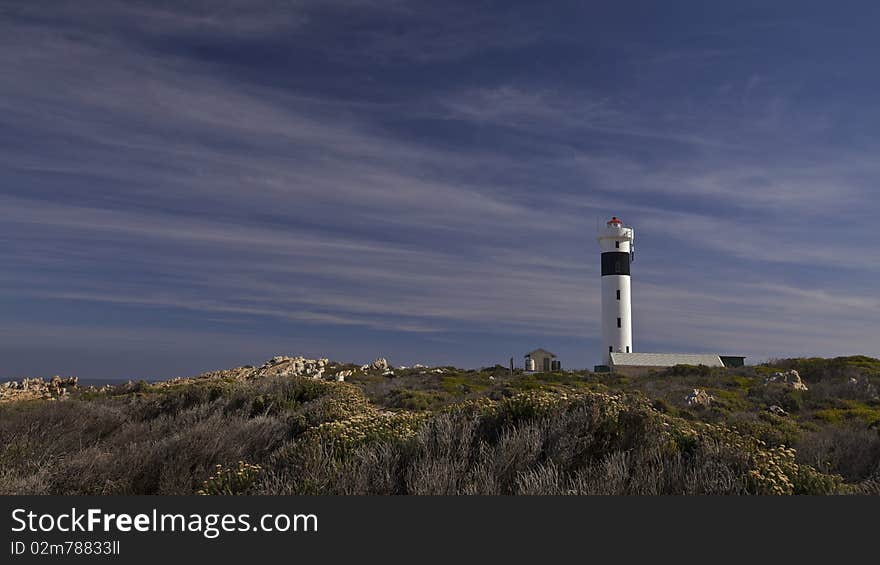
(769, 470)
(231, 480)
(542, 403)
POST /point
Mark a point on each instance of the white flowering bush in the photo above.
(369, 426)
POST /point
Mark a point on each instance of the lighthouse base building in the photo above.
(639, 363)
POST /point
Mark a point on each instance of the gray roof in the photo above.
(665, 359)
(544, 351)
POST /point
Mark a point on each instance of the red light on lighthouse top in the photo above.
(615, 221)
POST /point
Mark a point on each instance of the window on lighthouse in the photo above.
(618, 294)
(609, 349)
(617, 244)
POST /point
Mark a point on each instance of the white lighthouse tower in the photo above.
(616, 246)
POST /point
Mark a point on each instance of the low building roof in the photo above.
(665, 359)
(544, 351)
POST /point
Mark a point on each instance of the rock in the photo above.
(380, 364)
(789, 378)
(862, 388)
(38, 388)
(282, 366)
(778, 410)
(699, 397)
(388, 373)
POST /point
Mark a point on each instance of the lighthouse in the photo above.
(616, 247)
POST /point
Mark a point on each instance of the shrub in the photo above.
(536, 443)
(771, 429)
(231, 481)
(852, 452)
(315, 437)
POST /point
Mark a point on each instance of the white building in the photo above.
(616, 247)
(541, 360)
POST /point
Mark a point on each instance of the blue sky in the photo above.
(191, 185)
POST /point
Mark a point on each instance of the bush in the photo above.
(301, 436)
(851, 452)
(231, 481)
(535, 443)
(771, 429)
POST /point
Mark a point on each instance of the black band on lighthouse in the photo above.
(615, 263)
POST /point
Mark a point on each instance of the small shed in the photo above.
(543, 361)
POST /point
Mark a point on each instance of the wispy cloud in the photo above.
(220, 166)
(545, 113)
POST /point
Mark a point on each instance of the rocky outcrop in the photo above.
(341, 375)
(380, 364)
(278, 366)
(778, 410)
(292, 367)
(789, 378)
(699, 397)
(38, 388)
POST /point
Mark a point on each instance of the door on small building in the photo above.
(546, 364)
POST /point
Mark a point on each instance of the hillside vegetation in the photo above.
(451, 431)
